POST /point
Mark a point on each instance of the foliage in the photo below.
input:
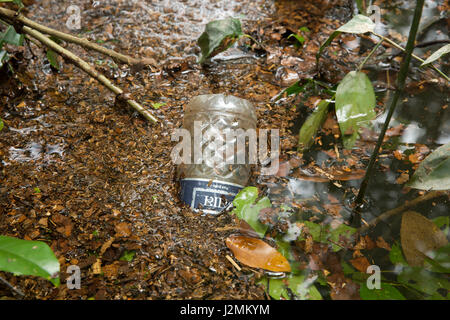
(436, 55)
(23, 257)
(434, 171)
(312, 125)
(355, 102)
(218, 36)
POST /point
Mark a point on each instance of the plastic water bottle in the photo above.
(211, 183)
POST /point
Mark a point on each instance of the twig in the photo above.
(88, 69)
(400, 86)
(233, 263)
(412, 54)
(431, 43)
(10, 286)
(69, 38)
(402, 208)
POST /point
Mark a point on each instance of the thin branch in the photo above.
(69, 38)
(408, 204)
(412, 54)
(10, 286)
(88, 69)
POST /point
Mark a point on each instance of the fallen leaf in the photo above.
(257, 254)
(123, 229)
(381, 243)
(360, 264)
(418, 236)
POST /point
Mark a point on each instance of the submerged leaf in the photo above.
(434, 171)
(52, 58)
(419, 236)
(25, 257)
(437, 54)
(257, 254)
(220, 35)
(312, 125)
(355, 102)
(386, 292)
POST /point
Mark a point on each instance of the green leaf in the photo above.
(439, 260)
(434, 171)
(3, 57)
(355, 102)
(1, 124)
(52, 57)
(303, 290)
(396, 255)
(422, 280)
(386, 292)
(23, 257)
(341, 231)
(312, 125)
(220, 35)
(17, 2)
(158, 105)
(437, 54)
(12, 37)
(246, 210)
(127, 256)
(359, 24)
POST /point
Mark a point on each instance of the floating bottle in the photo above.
(221, 131)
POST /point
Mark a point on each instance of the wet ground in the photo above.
(94, 179)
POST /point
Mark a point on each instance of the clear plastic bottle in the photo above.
(211, 187)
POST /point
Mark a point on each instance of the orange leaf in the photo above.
(257, 254)
(360, 264)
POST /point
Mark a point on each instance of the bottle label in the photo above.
(210, 196)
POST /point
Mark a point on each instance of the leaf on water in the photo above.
(12, 37)
(257, 254)
(419, 236)
(386, 292)
(359, 24)
(218, 36)
(437, 54)
(301, 288)
(23, 257)
(246, 209)
(434, 171)
(355, 102)
(52, 58)
(312, 125)
(360, 264)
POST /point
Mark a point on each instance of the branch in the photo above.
(10, 286)
(69, 38)
(89, 70)
(402, 208)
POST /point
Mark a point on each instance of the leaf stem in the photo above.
(412, 54)
(370, 54)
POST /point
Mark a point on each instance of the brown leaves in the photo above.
(360, 264)
(123, 229)
(419, 235)
(257, 254)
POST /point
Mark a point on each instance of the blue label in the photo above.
(209, 196)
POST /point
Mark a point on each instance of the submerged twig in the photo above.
(88, 69)
(70, 38)
(408, 204)
(10, 286)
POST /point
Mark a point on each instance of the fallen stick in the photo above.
(11, 15)
(88, 69)
(406, 205)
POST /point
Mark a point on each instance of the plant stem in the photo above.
(370, 54)
(413, 55)
(400, 86)
(11, 15)
(88, 69)
(10, 286)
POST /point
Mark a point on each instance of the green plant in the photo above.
(24, 257)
